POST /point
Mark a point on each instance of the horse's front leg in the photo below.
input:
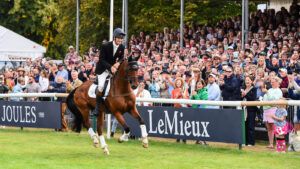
(126, 133)
(137, 115)
(100, 122)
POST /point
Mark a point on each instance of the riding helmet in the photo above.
(119, 33)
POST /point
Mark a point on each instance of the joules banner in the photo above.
(218, 125)
(30, 114)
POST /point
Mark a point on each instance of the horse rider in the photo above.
(111, 54)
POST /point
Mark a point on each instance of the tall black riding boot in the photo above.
(99, 101)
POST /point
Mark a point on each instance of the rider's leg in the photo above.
(99, 99)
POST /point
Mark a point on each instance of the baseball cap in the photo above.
(263, 53)
(224, 63)
(235, 61)
(230, 47)
(283, 70)
(60, 65)
(213, 75)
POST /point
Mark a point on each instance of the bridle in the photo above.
(132, 66)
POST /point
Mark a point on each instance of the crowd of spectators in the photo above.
(211, 66)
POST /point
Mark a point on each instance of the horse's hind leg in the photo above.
(100, 123)
(126, 133)
(86, 122)
(137, 115)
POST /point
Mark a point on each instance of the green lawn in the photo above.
(43, 149)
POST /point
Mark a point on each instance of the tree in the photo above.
(34, 19)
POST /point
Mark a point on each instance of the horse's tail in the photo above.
(77, 123)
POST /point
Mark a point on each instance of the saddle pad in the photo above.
(92, 90)
(93, 87)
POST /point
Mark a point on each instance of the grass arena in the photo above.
(47, 149)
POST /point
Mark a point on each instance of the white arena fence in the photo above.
(238, 104)
(181, 101)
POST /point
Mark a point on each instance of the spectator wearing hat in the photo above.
(213, 90)
(62, 72)
(22, 73)
(71, 57)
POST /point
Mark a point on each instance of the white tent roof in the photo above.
(14, 47)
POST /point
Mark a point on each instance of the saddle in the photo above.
(93, 90)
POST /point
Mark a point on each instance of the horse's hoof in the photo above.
(145, 145)
(105, 150)
(145, 142)
(96, 145)
(96, 141)
(120, 140)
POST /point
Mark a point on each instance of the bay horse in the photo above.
(119, 100)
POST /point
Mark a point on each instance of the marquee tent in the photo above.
(14, 47)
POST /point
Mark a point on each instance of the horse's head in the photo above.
(132, 72)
